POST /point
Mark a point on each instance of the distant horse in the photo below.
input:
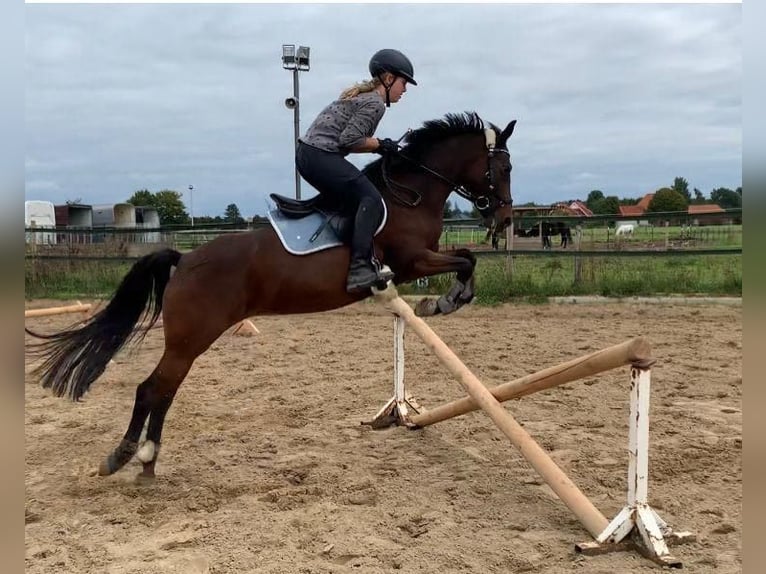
(556, 228)
(566, 236)
(546, 235)
(241, 275)
(624, 229)
(492, 234)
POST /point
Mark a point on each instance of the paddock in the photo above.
(267, 467)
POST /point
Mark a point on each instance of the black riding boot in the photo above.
(364, 271)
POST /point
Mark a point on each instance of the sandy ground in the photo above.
(266, 468)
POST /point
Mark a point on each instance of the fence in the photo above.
(678, 231)
(654, 259)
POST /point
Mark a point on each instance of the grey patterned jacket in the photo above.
(345, 123)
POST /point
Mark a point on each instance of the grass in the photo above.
(72, 279)
(535, 279)
(530, 278)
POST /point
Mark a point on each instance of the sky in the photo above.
(617, 97)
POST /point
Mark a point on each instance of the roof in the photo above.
(644, 202)
(703, 209)
(75, 205)
(579, 207)
(631, 210)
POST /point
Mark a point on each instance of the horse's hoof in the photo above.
(105, 468)
(426, 308)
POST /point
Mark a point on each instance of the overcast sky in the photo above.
(621, 98)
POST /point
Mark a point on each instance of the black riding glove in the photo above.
(386, 146)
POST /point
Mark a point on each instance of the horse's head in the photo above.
(489, 186)
(475, 156)
(461, 152)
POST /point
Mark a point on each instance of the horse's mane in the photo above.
(419, 141)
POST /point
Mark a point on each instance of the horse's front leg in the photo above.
(430, 263)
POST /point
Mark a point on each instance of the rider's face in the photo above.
(397, 89)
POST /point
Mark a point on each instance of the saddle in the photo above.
(333, 215)
(309, 225)
(297, 208)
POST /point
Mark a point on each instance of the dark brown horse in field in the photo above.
(202, 293)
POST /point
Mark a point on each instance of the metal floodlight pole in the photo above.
(296, 60)
(297, 128)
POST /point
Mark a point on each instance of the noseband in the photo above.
(481, 202)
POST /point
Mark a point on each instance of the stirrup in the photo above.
(379, 276)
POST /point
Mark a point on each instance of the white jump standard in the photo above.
(650, 534)
(637, 525)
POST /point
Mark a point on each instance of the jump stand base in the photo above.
(395, 413)
(642, 530)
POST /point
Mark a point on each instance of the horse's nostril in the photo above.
(507, 221)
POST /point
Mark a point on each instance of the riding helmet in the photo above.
(392, 61)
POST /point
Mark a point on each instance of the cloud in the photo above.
(622, 98)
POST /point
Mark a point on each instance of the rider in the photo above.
(347, 126)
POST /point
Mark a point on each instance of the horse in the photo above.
(492, 234)
(624, 229)
(566, 236)
(556, 228)
(202, 293)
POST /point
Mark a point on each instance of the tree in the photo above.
(606, 205)
(75, 201)
(726, 198)
(170, 207)
(142, 198)
(593, 198)
(207, 219)
(448, 211)
(610, 205)
(232, 214)
(168, 203)
(682, 186)
(699, 198)
(667, 199)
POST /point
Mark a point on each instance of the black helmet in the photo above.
(392, 61)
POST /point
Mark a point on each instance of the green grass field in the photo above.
(528, 277)
(535, 278)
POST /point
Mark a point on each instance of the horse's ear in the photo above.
(507, 132)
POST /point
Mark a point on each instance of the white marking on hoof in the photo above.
(146, 452)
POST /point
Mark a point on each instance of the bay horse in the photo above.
(202, 293)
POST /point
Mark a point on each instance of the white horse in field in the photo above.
(624, 229)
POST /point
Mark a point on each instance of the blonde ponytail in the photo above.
(359, 88)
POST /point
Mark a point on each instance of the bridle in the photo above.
(482, 202)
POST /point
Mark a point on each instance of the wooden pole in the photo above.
(593, 521)
(634, 350)
(79, 308)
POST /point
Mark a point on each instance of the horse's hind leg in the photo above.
(129, 445)
(150, 449)
(153, 399)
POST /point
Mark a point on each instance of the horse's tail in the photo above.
(75, 357)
